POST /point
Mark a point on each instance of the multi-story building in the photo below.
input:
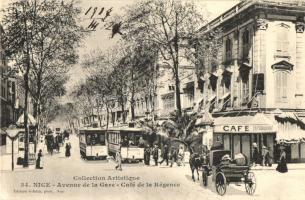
(256, 92)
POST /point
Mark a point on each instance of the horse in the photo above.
(196, 162)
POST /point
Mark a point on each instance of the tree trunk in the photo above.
(123, 113)
(26, 135)
(107, 120)
(26, 94)
(132, 101)
(176, 66)
(178, 99)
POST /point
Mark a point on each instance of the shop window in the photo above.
(245, 45)
(282, 40)
(281, 86)
(228, 50)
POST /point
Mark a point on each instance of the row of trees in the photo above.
(154, 33)
(41, 38)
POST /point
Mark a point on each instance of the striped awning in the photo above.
(289, 132)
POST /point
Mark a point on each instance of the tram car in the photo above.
(93, 143)
(129, 140)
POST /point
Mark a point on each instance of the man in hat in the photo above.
(255, 155)
(266, 156)
(156, 154)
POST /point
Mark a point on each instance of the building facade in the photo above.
(256, 92)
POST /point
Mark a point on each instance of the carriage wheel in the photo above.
(205, 177)
(250, 183)
(221, 183)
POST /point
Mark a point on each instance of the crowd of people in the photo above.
(264, 158)
(53, 141)
(169, 155)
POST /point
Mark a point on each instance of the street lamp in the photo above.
(12, 134)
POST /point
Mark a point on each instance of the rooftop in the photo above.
(243, 5)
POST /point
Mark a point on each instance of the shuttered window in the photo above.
(282, 40)
(281, 83)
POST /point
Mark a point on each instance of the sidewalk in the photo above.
(6, 164)
(6, 161)
(290, 166)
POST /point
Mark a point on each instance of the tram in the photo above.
(130, 141)
(93, 143)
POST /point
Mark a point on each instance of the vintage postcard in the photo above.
(152, 99)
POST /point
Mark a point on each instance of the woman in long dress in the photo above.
(39, 160)
(282, 166)
(68, 148)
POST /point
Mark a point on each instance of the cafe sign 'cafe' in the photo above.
(243, 128)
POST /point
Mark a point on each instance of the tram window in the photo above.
(102, 139)
(88, 139)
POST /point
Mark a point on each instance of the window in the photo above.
(244, 75)
(168, 102)
(281, 83)
(258, 83)
(282, 40)
(246, 45)
(228, 49)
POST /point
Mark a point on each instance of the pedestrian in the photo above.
(173, 156)
(255, 154)
(68, 150)
(264, 150)
(57, 141)
(164, 155)
(147, 155)
(181, 156)
(39, 160)
(282, 166)
(266, 157)
(118, 158)
(156, 154)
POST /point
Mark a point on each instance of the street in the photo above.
(66, 177)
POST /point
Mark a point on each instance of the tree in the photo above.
(168, 25)
(40, 35)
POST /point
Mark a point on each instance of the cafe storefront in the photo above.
(239, 133)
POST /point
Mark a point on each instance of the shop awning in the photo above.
(225, 95)
(31, 120)
(212, 98)
(227, 71)
(258, 123)
(290, 128)
(289, 133)
(201, 78)
(246, 65)
(204, 119)
(198, 104)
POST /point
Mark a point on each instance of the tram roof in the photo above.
(125, 129)
(91, 129)
(112, 129)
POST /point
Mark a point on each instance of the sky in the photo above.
(100, 39)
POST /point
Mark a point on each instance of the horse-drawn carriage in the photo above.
(224, 171)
